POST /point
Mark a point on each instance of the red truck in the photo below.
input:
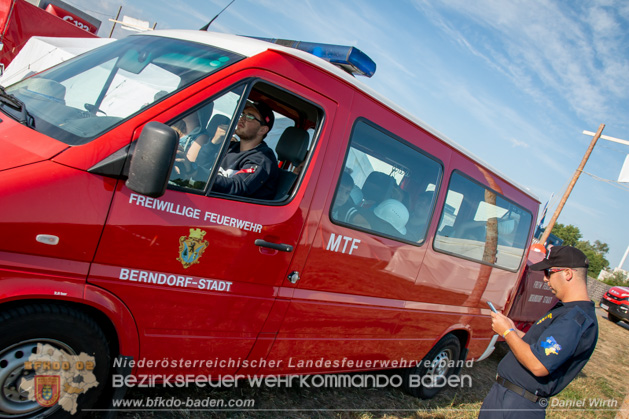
(20, 20)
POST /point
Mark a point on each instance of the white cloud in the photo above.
(576, 54)
(517, 143)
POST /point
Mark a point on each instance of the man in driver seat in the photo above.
(250, 168)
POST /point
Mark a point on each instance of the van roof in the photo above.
(249, 47)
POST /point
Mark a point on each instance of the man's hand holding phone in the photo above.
(499, 322)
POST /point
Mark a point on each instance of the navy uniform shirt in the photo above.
(563, 341)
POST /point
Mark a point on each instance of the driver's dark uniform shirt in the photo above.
(252, 173)
(562, 341)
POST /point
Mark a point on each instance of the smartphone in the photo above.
(491, 306)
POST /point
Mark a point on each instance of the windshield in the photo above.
(80, 99)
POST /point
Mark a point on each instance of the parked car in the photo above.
(616, 303)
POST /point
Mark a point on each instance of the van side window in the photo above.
(386, 186)
(479, 224)
(253, 140)
(201, 133)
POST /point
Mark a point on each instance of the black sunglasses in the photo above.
(549, 271)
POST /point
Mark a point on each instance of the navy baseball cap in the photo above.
(562, 257)
(265, 111)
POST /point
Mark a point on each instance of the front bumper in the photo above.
(619, 310)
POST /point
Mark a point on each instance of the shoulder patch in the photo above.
(551, 346)
(251, 169)
(579, 317)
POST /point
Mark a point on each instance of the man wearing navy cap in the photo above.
(250, 168)
(543, 361)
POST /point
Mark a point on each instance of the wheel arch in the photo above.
(460, 332)
(109, 313)
(464, 337)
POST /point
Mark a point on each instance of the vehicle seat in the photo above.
(204, 113)
(208, 152)
(291, 149)
(446, 231)
(472, 230)
(377, 188)
(215, 122)
(357, 195)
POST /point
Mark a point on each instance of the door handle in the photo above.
(275, 246)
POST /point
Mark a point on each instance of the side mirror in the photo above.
(153, 160)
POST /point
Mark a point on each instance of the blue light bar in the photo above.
(350, 59)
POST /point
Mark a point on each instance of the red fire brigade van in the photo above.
(380, 248)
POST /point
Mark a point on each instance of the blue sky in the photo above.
(513, 82)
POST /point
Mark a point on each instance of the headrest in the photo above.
(160, 95)
(215, 122)
(205, 113)
(377, 186)
(393, 212)
(356, 194)
(292, 145)
(506, 226)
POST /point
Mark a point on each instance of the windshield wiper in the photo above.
(23, 116)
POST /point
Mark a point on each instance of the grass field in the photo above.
(602, 382)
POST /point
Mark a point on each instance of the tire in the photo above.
(612, 318)
(70, 330)
(429, 377)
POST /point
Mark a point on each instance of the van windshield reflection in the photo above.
(82, 98)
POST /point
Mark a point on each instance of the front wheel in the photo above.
(612, 318)
(431, 375)
(54, 361)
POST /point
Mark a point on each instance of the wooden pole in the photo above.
(114, 25)
(575, 177)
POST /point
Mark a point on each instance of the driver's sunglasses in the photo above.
(549, 271)
(250, 117)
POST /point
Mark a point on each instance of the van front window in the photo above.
(81, 99)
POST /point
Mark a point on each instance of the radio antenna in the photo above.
(205, 27)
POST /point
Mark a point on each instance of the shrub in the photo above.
(617, 279)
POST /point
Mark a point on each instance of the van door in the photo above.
(354, 301)
(200, 271)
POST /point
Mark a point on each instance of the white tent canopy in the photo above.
(624, 172)
(41, 52)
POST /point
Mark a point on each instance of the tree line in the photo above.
(595, 252)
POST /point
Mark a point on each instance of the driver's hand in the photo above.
(219, 135)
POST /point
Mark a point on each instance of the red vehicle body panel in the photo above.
(71, 18)
(389, 301)
(620, 292)
(17, 150)
(533, 297)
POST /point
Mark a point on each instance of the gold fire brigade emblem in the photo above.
(192, 247)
